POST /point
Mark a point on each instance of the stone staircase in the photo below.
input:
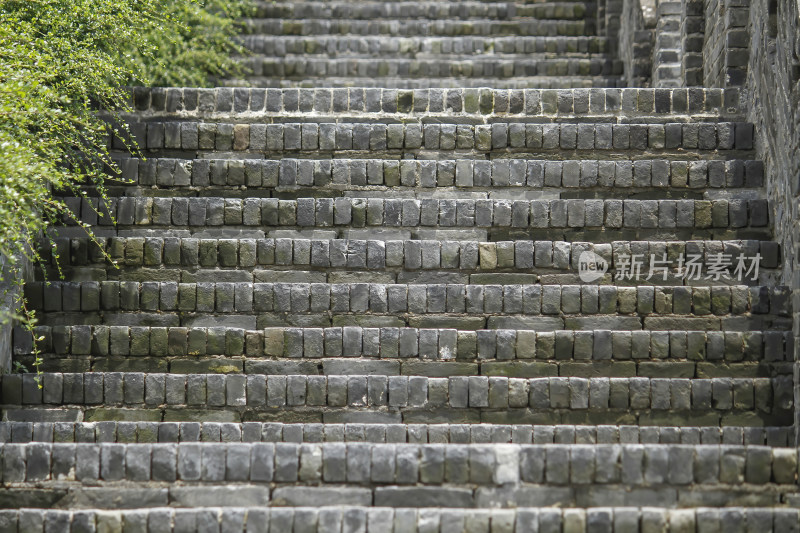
(348, 293)
(410, 45)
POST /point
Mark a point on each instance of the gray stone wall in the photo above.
(6, 327)
(772, 98)
(8, 296)
(733, 43)
(692, 37)
(713, 43)
(660, 43)
(727, 42)
(635, 40)
(609, 22)
(667, 53)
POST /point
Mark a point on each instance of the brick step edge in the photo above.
(483, 257)
(280, 46)
(516, 83)
(554, 465)
(152, 432)
(442, 214)
(375, 519)
(532, 175)
(379, 298)
(90, 390)
(411, 343)
(463, 67)
(405, 28)
(312, 137)
(422, 10)
(484, 101)
(379, 519)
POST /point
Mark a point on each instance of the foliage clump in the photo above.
(62, 60)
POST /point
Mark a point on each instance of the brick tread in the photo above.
(305, 68)
(406, 28)
(430, 345)
(410, 399)
(349, 212)
(152, 432)
(726, 137)
(281, 46)
(466, 177)
(606, 102)
(529, 300)
(318, 519)
(392, 83)
(471, 466)
(320, 260)
(419, 10)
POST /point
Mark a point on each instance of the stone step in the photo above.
(194, 260)
(422, 10)
(309, 67)
(497, 351)
(399, 475)
(527, 219)
(611, 105)
(334, 275)
(439, 83)
(517, 83)
(409, 364)
(462, 322)
(152, 432)
(408, 28)
(323, 519)
(469, 177)
(713, 307)
(283, 45)
(402, 139)
(134, 396)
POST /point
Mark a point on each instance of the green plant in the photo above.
(62, 60)
(193, 44)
